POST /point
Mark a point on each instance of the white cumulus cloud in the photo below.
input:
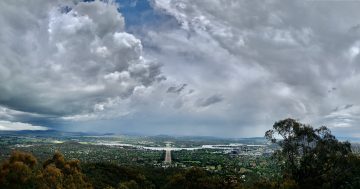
(68, 58)
(17, 126)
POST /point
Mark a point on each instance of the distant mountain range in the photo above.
(52, 133)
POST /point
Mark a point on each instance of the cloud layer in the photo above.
(266, 60)
(17, 126)
(68, 59)
(232, 67)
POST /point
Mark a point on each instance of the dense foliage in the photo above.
(314, 158)
(21, 171)
(104, 175)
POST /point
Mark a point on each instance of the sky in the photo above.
(226, 68)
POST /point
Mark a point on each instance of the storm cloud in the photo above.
(176, 89)
(217, 67)
(269, 59)
(204, 102)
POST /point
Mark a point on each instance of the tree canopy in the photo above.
(313, 157)
(21, 171)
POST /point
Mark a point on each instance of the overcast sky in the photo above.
(227, 68)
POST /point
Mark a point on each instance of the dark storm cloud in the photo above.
(204, 102)
(269, 59)
(176, 89)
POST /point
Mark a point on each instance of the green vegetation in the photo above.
(313, 158)
(297, 156)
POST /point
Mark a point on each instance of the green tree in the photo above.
(313, 158)
(194, 178)
(129, 185)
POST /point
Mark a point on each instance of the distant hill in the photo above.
(47, 133)
(350, 139)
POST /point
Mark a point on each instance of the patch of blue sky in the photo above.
(140, 14)
(140, 17)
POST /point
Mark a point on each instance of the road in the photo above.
(168, 156)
